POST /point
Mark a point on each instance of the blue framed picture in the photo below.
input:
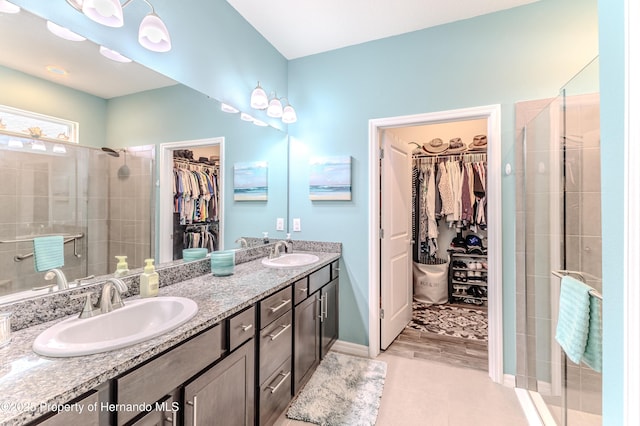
(330, 178)
(250, 181)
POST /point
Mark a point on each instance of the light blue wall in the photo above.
(519, 54)
(612, 101)
(178, 113)
(19, 90)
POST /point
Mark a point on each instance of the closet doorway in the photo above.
(387, 304)
(201, 151)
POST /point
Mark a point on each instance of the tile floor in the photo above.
(422, 392)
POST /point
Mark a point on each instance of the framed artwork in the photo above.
(330, 178)
(250, 181)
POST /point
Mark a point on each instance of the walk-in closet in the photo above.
(449, 227)
(196, 199)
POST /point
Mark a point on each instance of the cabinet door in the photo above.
(224, 394)
(306, 340)
(329, 314)
(164, 414)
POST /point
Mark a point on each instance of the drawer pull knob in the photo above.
(284, 328)
(303, 290)
(285, 376)
(246, 327)
(280, 306)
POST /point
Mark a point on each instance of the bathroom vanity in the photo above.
(257, 337)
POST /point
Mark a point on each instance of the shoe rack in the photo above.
(468, 279)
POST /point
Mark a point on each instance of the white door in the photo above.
(395, 245)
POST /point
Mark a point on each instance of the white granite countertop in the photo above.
(30, 384)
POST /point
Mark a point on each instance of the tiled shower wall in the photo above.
(74, 192)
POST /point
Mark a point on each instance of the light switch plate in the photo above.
(280, 224)
(296, 224)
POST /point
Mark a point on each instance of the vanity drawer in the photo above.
(75, 417)
(274, 306)
(319, 278)
(275, 344)
(275, 394)
(155, 379)
(242, 327)
(300, 290)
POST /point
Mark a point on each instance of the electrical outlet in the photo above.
(296, 224)
(280, 224)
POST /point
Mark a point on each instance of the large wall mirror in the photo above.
(132, 111)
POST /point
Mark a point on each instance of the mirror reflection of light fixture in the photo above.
(38, 146)
(289, 114)
(113, 55)
(152, 33)
(246, 117)
(260, 123)
(228, 108)
(259, 98)
(15, 143)
(59, 149)
(6, 7)
(63, 32)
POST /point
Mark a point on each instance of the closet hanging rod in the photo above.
(478, 156)
(580, 275)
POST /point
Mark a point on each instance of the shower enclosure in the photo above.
(69, 189)
(559, 228)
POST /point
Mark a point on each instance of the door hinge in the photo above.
(381, 313)
(381, 233)
(381, 153)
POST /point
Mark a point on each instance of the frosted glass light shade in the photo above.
(289, 115)
(6, 7)
(63, 32)
(153, 34)
(113, 55)
(275, 108)
(105, 12)
(259, 98)
(228, 108)
(246, 117)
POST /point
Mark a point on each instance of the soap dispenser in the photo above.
(149, 280)
(289, 243)
(265, 237)
(122, 268)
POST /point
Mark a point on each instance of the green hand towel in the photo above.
(572, 329)
(593, 352)
(48, 252)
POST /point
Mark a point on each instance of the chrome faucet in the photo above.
(110, 296)
(108, 301)
(243, 242)
(61, 280)
(275, 252)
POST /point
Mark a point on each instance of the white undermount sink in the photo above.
(293, 260)
(137, 321)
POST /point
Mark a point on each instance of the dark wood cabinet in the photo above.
(307, 342)
(224, 394)
(328, 316)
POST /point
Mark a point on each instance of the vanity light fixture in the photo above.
(260, 123)
(228, 108)
(63, 32)
(113, 55)
(59, 149)
(152, 33)
(259, 98)
(6, 7)
(54, 69)
(275, 107)
(289, 114)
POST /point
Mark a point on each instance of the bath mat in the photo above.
(447, 320)
(344, 390)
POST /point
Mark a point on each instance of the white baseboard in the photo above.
(509, 380)
(350, 348)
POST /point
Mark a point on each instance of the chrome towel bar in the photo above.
(67, 238)
(580, 275)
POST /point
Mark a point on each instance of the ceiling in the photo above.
(88, 71)
(298, 28)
